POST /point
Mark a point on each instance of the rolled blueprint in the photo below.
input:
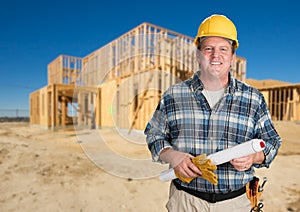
(224, 156)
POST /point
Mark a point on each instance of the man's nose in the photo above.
(215, 53)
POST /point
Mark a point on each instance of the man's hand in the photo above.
(204, 169)
(187, 169)
(246, 162)
(181, 162)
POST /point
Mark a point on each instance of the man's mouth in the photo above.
(215, 63)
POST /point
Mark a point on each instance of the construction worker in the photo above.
(205, 114)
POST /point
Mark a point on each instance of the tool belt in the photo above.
(211, 197)
(254, 192)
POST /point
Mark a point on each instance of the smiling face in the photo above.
(215, 58)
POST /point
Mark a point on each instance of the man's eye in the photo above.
(208, 48)
(224, 50)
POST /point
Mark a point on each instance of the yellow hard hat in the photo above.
(220, 26)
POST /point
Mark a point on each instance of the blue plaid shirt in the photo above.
(184, 121)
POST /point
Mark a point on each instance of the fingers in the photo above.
(193, 167)
(242, 164)
(187, 169)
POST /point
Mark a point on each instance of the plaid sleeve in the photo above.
(157, 132)
(267, 132)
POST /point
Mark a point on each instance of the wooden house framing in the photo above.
(283, 98)
(120, 84)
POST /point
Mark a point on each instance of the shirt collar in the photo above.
(197, 84)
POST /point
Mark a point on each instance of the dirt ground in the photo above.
(70, 170)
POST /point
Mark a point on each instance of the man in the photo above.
(208, 113)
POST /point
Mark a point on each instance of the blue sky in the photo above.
(33, 33)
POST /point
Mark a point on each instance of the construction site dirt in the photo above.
(46, 170)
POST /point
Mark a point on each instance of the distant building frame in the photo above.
(283, 102)
(120, 84)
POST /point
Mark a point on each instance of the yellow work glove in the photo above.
(205, 166)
